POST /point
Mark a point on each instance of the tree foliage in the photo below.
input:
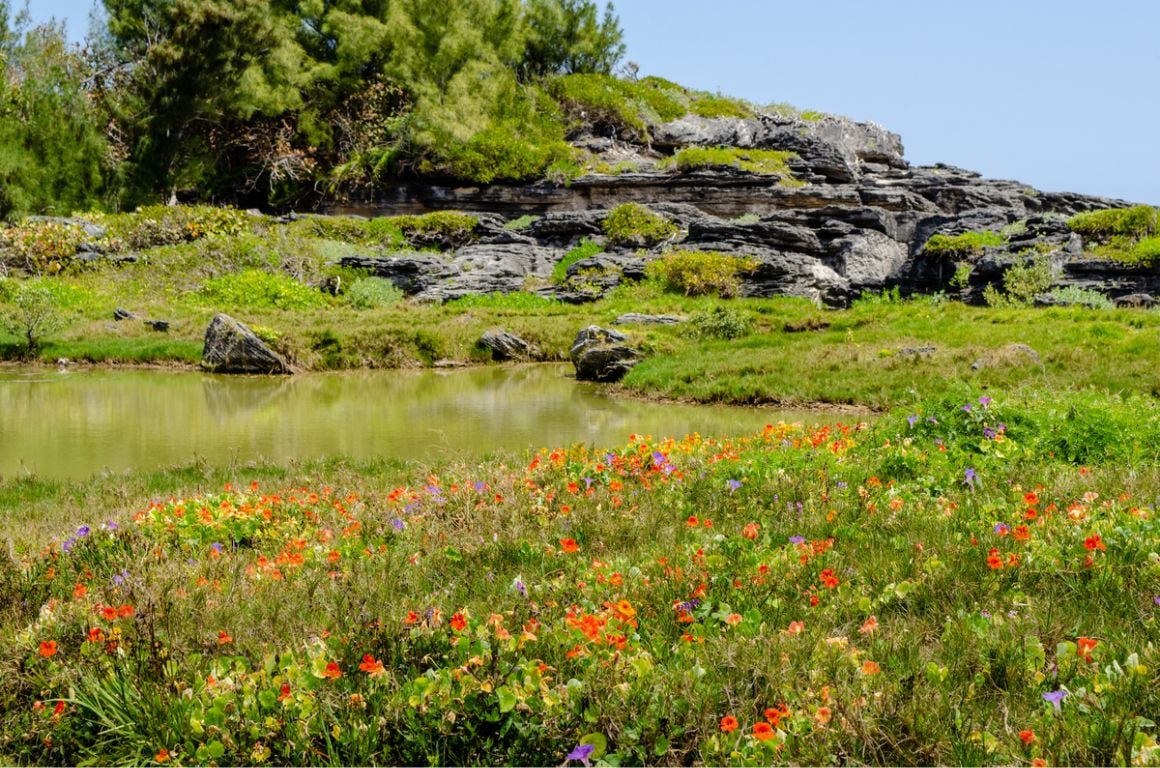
(52, 150)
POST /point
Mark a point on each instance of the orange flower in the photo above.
(869, 627)
(728, 724)
(458, 622)
(411, 618)
(994, 561)
(95, 635)
(750, 531)
(1094, 542)
(870, 667)
(47, 648)
(284, 692)
(1038, 762)
(1086, 646)
(733, 619)
(828, 579)
(692, 522)
(224, 637)
(372, 666)
(161, 756)
(79, 591)
(822, 715)
(624, 610)
(569, 545)
(796, 627)
(332, 671)
(775, 714)
(1027, 736)
(763, 731)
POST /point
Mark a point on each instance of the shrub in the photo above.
(446, 229)
(1073, 295)
(586, 248)
(719, 323)
(966, 244)
(1130, 251)
(636, 226)
(255, 289)
(716, 105)
(156, 225)
(373, 293)
(342, 229)
(1021, 284)
(761, 161)
(607, 103)
(1138, 221)
(40, 246)
(31, 311)
(699, 273)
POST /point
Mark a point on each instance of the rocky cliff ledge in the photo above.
(843, 213)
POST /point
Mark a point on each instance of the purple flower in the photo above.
(1002, 529)
(216, 547)
(841, 484)
(111, 526)
(733, 485)
(520, 587)
(83, 531)
(984, 401)
(68, 544)
(969, 478)
(989, 433)
(797, 539)
(479, 486)
(398, 524)
(582, 752)
(966, 408)
(433, 490)
(1055, 697)
(119, 578)
(587, 482)
(1156, 599)
(911, 420)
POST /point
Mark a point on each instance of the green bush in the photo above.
(1073, 295)
(255, 289)
(342, 229)
(373, 293)
(966, 244)
(522, 222)
(634, 225)
(719, 323)
(715, 105)
(700, 273)
(446, 229)
(1128, 250)
(762, 161)
(1021, 284)
(30, 310)
(1137, 221)
(608, 103)
(586, 248)
(156, 225)
(40, 247)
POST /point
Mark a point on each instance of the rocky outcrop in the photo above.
(856, 217)
(505, 345)
(600, 354)
(231, 347)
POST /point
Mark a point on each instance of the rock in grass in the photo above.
(505, 345)
(231, 347)
(1009, 354)
(599, 355)
(637, 318)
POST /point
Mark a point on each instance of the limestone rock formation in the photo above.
(231, 347)
(505, 345)
(600, 354)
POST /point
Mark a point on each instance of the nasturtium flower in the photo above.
(161, 756)
(733, 619)
(458, 622)
(224, 637)
(1085, 646)
(870, 667)
(412, 617)
(569, 545)
(763, 731)
(750, 531)
(332, 671)
(48, 648)
(728, 724)
(372, 666)
(869, 627)
(822, 715)
(1027, 736)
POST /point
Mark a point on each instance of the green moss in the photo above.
(634, 225)
(812, 116)
(761, 161)
(715, 105)
(700, 273)
(1137, 221)
(584, 249)
(966, 244)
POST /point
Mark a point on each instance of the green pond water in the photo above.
(74, 424)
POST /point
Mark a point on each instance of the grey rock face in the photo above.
(231, 347)
(636, 318)
(505, 345)
(600, 354)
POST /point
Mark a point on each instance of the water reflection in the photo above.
(73, 424)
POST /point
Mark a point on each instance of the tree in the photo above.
(52, 148)
(565, 37)
(32, 313)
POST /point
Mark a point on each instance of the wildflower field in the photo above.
(970, 581)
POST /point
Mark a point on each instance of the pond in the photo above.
(73, 424)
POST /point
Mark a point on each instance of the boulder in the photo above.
(1007, 355)
(637, 318)
(231, 347)
(1136, 301)
(600, 354)
(161, 326)
(505, 345)
(123, 314)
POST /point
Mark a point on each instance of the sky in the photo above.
(1063, 95)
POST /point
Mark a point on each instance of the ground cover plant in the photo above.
(948, 584)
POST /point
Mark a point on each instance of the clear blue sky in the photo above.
(1060, 94)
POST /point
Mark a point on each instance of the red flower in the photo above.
(458, 622)
(48, 648)
(569, 545)
(372, 666)
(284, 692)
(828, 579)
(411, 618)
(1027, 736)
(332, 671)
(1086, 646)
(763, 731)
(750, 531)
(994, 561)
(224, 637)
(728, 724)
(1094, 542)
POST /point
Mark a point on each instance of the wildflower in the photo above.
(95, 636)
(775, 714)
(79, 591)
(969, 478)
(796, 627)
(1027, 736)
(1086, 645)
(1002, 529)
(59, 709)
(1022, 533)
(828, 579)
(870, 667)
(581, 752)
(822, 715)
(750, 531)
(994, 561)
(733, 619)
(733, 485)
(911, 420)
(48, 648)
(1094, 542)
(224, 637)
(869, 627)
(284, 692)
(332, 671)
(412, 617)
(458, 622)
(1055, 697)
(519, 586)
(763, 731)
(569, 545)
(372, 666)
(624, 610)
(692, 522)
(797, 539)
(161, 756)
(728, 724)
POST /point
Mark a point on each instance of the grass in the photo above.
(967, 244)
(874, 594)
(760, 161)
(1126, 235)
